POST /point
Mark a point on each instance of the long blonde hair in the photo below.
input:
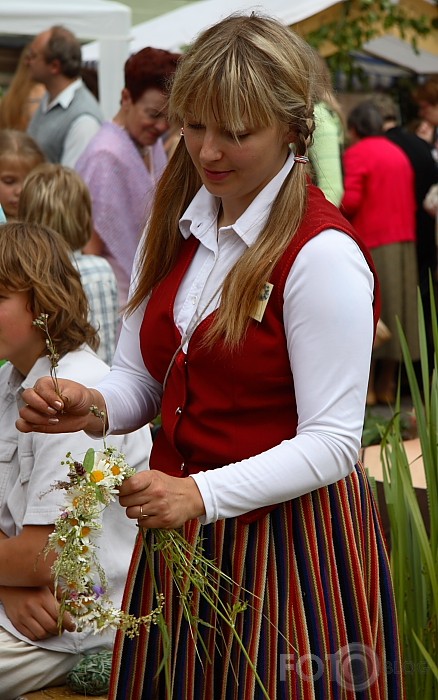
(21, 98)
(247, 71)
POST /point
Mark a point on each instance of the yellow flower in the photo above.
(97, 476)
(115, 470)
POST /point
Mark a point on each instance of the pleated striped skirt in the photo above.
(320, 623)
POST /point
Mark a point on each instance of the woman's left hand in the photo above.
(158, 500)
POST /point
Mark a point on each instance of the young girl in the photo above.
(19, 154)
(57, 196)
(37, 276)
(250, 330)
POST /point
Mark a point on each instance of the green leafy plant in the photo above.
(414, 550)
(358, 22)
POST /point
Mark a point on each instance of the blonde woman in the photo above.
(22, 98)
(250, 329)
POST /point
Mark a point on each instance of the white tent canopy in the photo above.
(103, 20)
(176, 29)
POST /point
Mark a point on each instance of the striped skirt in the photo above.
(320, 623)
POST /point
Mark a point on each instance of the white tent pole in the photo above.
(113, 55)
(105, 21)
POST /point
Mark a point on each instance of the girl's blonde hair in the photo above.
(36, 260)
(17, 145)
(247, 71)
(56, 196)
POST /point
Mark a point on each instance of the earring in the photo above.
(181, 133)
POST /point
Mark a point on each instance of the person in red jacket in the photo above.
(249, 329)
(379, 200)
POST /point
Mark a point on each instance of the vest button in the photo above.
(178, 411)
(182, 466)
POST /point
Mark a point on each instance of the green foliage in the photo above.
(359, 22)
(375, 426)
(414, 551)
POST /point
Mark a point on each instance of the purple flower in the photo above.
(98, 591)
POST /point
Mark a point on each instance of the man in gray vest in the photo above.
(69, 114)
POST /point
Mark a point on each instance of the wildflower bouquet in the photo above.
(91, 486)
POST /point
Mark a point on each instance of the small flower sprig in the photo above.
(42, 322)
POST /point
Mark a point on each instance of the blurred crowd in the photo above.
(380, 171)
(92, 181)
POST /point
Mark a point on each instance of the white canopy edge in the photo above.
(395, 50)
(104, 20)
(174, 30)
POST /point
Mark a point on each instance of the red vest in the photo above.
(221, 406)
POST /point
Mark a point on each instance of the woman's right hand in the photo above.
(45, 411)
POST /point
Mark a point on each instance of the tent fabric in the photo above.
(104, 20)
(394, 50)
(174, 30)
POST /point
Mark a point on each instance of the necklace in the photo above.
(196, 318)
(186, 336)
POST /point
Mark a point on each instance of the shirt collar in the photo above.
(64, 98)
(17, 383)
(202, 212)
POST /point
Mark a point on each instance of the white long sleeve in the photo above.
(328, 323)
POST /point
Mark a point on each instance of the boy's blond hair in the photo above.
(56, 196)
(36, 259)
